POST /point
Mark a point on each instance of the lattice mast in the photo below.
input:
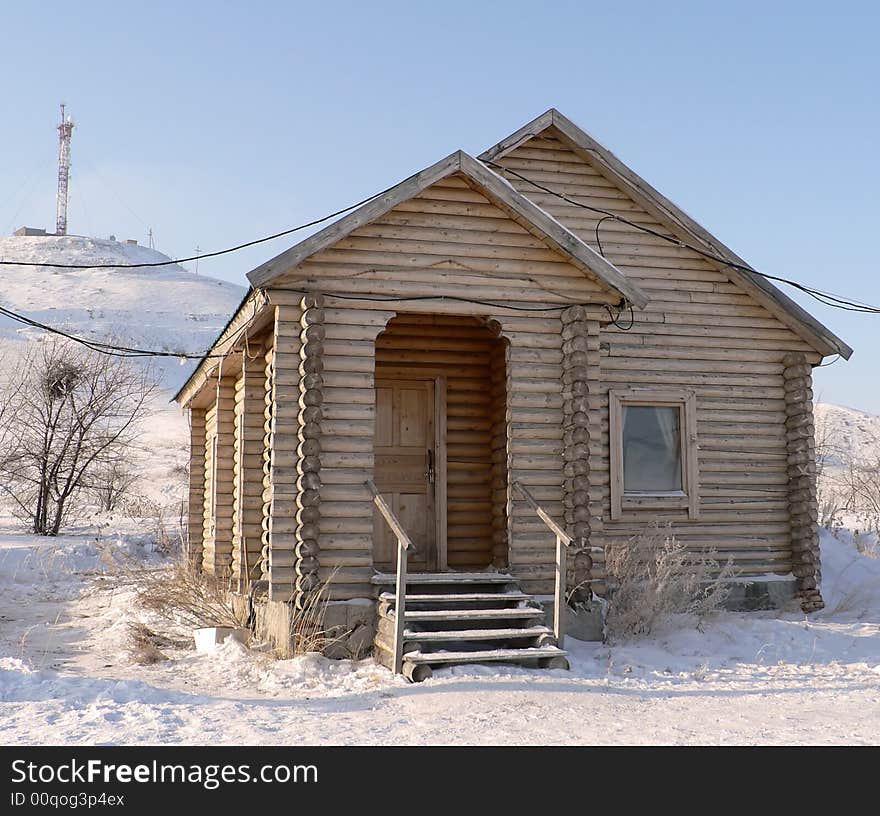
(65, 130)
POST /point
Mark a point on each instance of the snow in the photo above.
(66, 675)
(165, 308)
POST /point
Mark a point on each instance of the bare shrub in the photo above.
(307, 630)
(110, 482)
(167, 522)
(143, 645)
(653, 576)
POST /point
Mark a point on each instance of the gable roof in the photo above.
(761, 289)
(496, 188)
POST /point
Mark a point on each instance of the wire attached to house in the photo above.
(202, 255)
(826, 298)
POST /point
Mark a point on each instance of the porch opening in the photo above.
(441, 442)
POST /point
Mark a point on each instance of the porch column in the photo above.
(217, 557)
(249, 395)
(308, 483)
(196, 517)
(576, 440)
(802, 503)
(283, 490)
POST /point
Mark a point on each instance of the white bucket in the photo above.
(210, 637)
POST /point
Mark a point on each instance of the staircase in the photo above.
(456, 618)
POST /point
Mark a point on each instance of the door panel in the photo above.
(404, 436)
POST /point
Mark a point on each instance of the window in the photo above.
(653, 451)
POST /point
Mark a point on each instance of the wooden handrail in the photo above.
(563, 542)
(385, 510)
(403, 545)
(554, 527)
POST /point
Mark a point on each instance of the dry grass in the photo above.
(184, 596)
(654, 576)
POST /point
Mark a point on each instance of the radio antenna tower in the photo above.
(65, 130)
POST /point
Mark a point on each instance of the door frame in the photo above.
(438, 497)
(440, 472)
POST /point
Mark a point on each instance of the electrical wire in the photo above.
(202, 255)
(419, 298)
(826, 298)
(103, 348)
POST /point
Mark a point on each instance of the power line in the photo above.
(826, 298)
(203, 255)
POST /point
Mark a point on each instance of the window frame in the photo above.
(686, 499)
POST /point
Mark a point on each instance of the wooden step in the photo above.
(389, 597)
(490, 655)
(469, 614)
(527, 632)
(383, 578)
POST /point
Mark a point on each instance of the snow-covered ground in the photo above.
(67, 675)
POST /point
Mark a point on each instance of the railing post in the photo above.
(559, 603)
(400, 606)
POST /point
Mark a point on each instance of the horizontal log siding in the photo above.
(448, 241)
(699, 331)
(347, 429)
(452, 242)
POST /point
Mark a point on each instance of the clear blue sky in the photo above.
(214, 123)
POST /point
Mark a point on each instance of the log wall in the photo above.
(699, 331)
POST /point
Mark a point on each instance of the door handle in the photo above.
(429, 473)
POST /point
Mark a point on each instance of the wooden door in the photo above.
(405, 467)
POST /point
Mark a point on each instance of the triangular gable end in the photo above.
(496, 189)
(677, 221)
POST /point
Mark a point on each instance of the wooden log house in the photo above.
(473, 357)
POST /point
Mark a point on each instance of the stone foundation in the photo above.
(349, 625)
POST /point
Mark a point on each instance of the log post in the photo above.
(576, 441)
(802, 503)
(196, 518)
(268, 431)
(311, 398)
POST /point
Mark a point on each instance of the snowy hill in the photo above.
(846, 433)
(165, 308)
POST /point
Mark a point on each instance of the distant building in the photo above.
(29, 231)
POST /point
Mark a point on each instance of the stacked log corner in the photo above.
(268, 430)
(803, 508)
(311, 398)
(283, 471)
(576, 441)
(249, 451)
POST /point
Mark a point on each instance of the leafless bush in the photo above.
(111, 482)
(143, 645)
(307, 630)
(184, 597)
(653, 576)
(167, 522)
